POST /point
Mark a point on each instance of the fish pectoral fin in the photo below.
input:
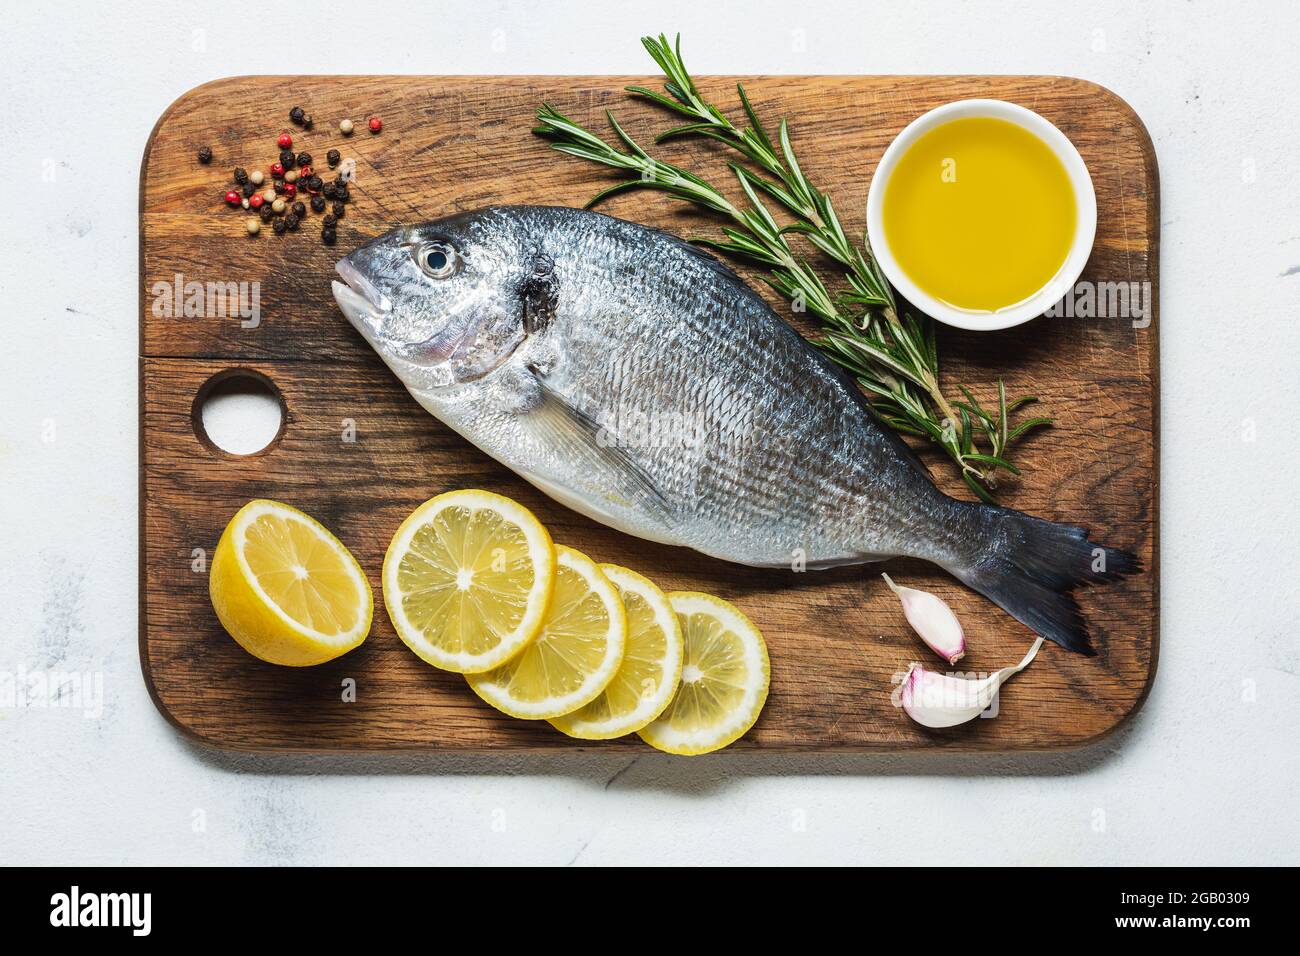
(581, 436)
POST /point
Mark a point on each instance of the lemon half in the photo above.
(575, 656)
(652, 664)
(286, 589)
(724, 678)
(468, 578)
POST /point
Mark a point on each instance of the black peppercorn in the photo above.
(205, 155)
(304, 159)
(299, 210)
(342, 194)
(291, 222)
(286, 158)
(315, 183)
(330, 190)
(328, 236)
(278, 186)
(333, 158)
(279, 227)
(266, 212)
(306, 122)
(328, 221)
(317, 203)
(248, 190)
(241, 175)
(338, 209)
(296, 115)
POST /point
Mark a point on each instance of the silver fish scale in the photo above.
(783, 460)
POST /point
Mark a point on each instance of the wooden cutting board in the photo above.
(838, 640)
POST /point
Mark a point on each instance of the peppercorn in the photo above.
(291, 222)
(279, 227)
(375, 124)
(342, 194)
(333, 157)
(304, 159)
(290, 190)
(205, 155)
(277, 170)
(248, 190)
(328, 236)
(291, 175)
(279, 206)
(241, 176)
(305, 171)
(285, 140)
(232, 197)
(338, 209)
(269, 194)
(345, 127)
(317, 203)
(315, 183)
(306, 122)
(266, 212)
(328, 221)
(296, 115)
(256, 201)
(299, 210)
(287, 158)
(279, 186)
(243, 203)
(330, 190)
(256, 177)
(253, 226)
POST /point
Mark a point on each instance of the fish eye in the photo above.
(437, 259)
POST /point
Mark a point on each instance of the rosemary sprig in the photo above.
(893, 357)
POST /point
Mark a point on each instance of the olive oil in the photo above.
(979, 213)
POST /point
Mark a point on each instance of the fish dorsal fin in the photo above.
(580, 437)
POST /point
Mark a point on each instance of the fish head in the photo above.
(443, 302)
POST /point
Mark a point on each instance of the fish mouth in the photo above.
(363, 305)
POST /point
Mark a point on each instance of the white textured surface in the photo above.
(1203, 775)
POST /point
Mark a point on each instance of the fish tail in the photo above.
(1029, 566)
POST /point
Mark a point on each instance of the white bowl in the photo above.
(1085, 229)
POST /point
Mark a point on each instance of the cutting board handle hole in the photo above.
(239, 412)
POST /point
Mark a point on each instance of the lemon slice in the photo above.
(468, 578)
(286, 589)
(576, 654)
(652, 664)
(724, 679)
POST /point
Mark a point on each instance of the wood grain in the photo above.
(837, 638)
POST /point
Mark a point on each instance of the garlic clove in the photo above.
(933, 620)
(943, 700)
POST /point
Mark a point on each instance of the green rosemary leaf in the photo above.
(993, 460)
(667, 102)
(604, 194)
(1002, 415)
(979, 489)
(686, 130)
(752, 116)
(1027, 425)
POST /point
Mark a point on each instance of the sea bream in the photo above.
(636, 379)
